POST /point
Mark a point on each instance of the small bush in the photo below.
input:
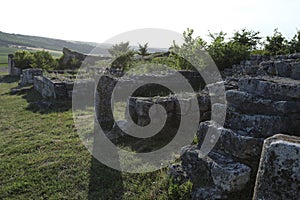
(23, 59)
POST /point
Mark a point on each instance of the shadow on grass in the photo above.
(8, 79)
(105, 182)
(36, 103)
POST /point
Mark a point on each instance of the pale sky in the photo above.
(97, 20)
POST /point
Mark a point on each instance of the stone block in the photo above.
(279, 170)
(274, 88)
(215, 169)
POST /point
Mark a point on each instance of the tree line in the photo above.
(225, 51)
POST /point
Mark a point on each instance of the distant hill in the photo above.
(10, 43)
(34, 42)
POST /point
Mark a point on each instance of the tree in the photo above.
(119, 49)
(143, 50)
(189, 54)
(276, 44)
(227, 53)
(122, 55)
(247, 38)
(294, 44)
(23, 59)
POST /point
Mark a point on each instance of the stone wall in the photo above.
(68, 55)
(12, 69)
(53, 89)
(262, 106)
(27, 76)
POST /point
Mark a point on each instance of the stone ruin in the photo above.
(266, 102)
(69, 55)
(262, 100)
(12, 69)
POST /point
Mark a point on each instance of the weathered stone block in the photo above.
(253, 104)
(215, 169)
(279, 171)
(239, 146)
(282, 68)
(273, 88)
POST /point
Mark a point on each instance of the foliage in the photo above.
(276, 44)
(190, 53)
(43, 60)
(294, 44)
(143, 50)
(119, 49)
(224, 53)
(122, 55)
(180, 191)
(247, 38)
(38, 59)
(23, 59)
(123, 61)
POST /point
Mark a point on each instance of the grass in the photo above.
(42, 156)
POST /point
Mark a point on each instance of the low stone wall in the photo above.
(27, 76)
(53, 88)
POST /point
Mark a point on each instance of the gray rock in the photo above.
(279, 170)
(253, 104)
(208, 193)
(260, 126)
(282, 68)
(295, 70)
(239, 146)
(273, 88)
(215, 169)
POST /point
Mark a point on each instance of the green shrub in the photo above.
(179, 191)
(44, 60)
(276, 44)
(294, 44)
(23, 59)
(38, 59)
(226, 53)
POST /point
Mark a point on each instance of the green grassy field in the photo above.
(42, 156)
(4, 51)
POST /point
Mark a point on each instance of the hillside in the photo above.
(10, 43)
(33, 42)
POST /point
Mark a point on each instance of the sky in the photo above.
(98, 20)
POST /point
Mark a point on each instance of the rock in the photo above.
(177, 174)
(215, 169)
(253, 104)
(197, 168)
(103, 102)
(274, 88)
(208, 193)
(27, 76)
(69, 55)
(282, 68)
(260, 126)
(279, 170)
(239, 146)
(295, 70)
